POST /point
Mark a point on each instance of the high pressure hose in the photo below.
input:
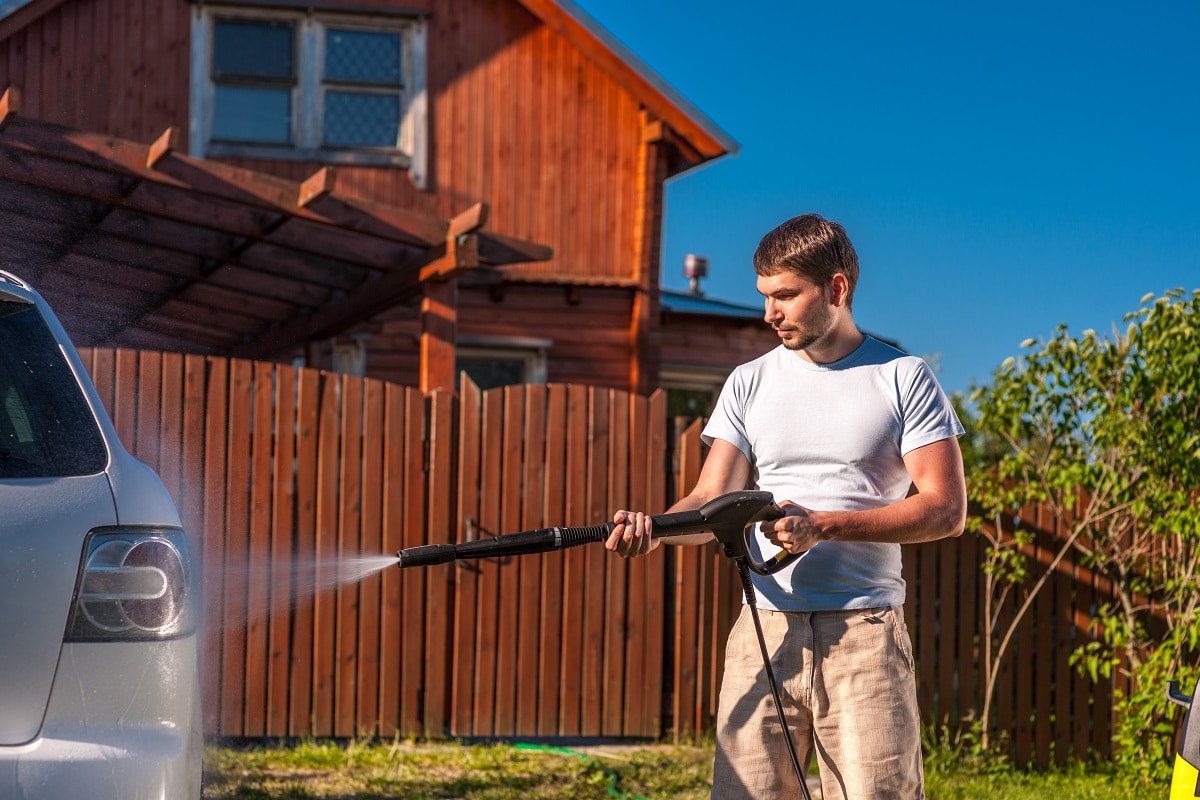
(748, 590)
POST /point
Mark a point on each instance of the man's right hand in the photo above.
(633, 534)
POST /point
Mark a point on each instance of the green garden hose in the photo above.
(612, 775)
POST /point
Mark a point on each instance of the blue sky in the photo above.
(1001, 168)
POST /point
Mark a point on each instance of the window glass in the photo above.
(252, 114)
(357, 119)
(253, 49)
(367, 57)
(488, 373)
(46, 427)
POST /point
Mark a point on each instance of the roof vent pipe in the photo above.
(694, 268)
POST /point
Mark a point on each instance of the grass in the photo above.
(309, 770)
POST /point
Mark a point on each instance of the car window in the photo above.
(46, 427)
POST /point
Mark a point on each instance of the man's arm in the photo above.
(726, 469)
(938, 508)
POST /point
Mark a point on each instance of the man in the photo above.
(858, 445)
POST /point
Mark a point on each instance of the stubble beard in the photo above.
(813, 331)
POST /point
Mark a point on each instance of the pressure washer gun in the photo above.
(729, 518)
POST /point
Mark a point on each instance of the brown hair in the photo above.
(811, 246)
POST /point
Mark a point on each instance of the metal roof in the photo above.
(689, 303)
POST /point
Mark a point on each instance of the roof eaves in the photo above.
(653, 91)
(15, 15)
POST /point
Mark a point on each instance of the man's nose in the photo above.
(770, 310)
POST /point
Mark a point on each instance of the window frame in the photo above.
(529, 351)
(308, 93)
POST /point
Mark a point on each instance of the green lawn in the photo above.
(443, 771)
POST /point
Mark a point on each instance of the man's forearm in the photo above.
(918, 518)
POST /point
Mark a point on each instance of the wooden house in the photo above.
(393, 188)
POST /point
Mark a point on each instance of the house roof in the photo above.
(677, 302)
(140, 246)
(700, 132)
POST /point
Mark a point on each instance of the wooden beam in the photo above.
(496, 249)
(439, 331)
(644, 327)
(469, 221)
(462, 257)
(10, 104)
(163, 146)
(316, 186)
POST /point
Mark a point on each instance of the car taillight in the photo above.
(135, 583)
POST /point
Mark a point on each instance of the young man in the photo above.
(858, 445)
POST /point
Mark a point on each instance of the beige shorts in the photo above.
(849, 695)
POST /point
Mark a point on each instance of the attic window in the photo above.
(304, 85)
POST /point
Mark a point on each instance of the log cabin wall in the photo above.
(586, 328)
(699, 343)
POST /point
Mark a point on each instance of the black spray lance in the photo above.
(728, 517)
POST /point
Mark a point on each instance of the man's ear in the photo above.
(839, 290)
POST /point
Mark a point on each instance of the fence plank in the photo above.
(258, 576)
(345, 662)
(415, 533)
(595, 567)
(688, 574)
(574, 573)
(282, 551)
(491, 522)
(392, 617)
(439, 609)
(529, 628)
(467, 578)
(634, 699)
(236, 472)
(510, 603)
(616, 611)
(325, 552)
(370, 635)
(554, 563)
(301, 672)
(966, 609)
(655, 572)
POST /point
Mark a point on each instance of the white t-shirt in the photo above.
(832, 437)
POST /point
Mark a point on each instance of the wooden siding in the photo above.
(713, 342)
(273, 466)
(587, 328)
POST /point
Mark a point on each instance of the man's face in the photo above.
(799, 310)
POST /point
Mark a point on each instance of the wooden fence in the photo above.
(285, 476)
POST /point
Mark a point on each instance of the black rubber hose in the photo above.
(748, 590)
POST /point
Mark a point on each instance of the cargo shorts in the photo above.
(849, 695)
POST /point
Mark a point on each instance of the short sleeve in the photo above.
(928, 415)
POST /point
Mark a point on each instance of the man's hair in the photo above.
(810, 246)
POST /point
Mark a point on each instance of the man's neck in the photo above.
(841, 340)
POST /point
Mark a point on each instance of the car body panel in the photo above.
(150, 749)
(39, 561)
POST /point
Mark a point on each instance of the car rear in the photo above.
(98, 671)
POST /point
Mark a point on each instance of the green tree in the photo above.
(1105, 433)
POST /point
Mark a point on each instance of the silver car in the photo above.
(99, 690)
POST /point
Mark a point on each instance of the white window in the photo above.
(303, 85)
(500, 361)
(691, 391)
